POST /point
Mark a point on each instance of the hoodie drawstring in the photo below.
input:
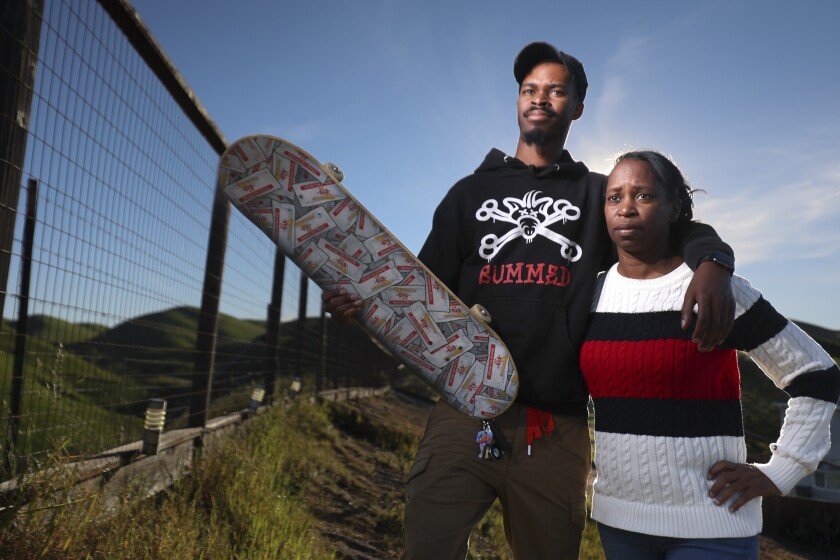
(538, 422)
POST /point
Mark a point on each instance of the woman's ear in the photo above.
(676, 208)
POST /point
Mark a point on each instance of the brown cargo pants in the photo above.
(543, 495)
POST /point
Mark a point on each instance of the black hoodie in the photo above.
(527, 243)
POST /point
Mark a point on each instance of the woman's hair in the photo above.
(668, 176)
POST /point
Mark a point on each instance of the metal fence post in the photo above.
(208, 320)
(301, 326)
(16, 404)
(322, 365)
(20, 31)
(335, 347)
(272, 328)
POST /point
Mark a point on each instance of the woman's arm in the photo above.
(799, 366)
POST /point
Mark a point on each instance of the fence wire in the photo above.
(125, 183)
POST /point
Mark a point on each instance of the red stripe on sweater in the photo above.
(659, 369)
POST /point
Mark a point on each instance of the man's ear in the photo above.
(578, 112)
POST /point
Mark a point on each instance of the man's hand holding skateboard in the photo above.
(341, 305)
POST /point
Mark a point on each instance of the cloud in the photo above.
(619, 69)
(793, 211)
(798, 220)
(600, 144)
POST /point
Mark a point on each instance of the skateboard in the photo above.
(303, 207)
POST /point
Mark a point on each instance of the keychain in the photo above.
(484, 439)
(489, 445)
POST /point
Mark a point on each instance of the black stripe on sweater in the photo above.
(633, 327)
(671, 418)
(757, 325)
(823, 385)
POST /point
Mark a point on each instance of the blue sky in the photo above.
(407, 97)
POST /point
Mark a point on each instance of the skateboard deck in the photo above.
(303, 207)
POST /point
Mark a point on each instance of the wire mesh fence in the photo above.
(104, 303)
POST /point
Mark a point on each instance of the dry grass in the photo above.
(308, 482)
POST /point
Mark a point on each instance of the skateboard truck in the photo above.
(479, 312)
(335, 170)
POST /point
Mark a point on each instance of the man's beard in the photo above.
(538, 137)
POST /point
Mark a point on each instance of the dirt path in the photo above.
(362, 514)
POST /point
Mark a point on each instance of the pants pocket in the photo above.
(421, 461)
(577, 512)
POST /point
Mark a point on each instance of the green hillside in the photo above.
(88, 384)
(830, 340)
(85, 386)
(174, 329)
(160, 347)
(67, 402)
(58, 330)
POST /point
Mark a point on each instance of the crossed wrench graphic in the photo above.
(524, 213)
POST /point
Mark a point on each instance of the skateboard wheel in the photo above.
(335, 170)
(481, 313)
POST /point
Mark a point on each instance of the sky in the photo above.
(408, 97)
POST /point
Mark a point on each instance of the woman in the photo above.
(669, 437)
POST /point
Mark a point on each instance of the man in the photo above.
(524, 236)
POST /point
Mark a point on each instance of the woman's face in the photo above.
(638, 212)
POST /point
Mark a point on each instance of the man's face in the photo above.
(547, 104)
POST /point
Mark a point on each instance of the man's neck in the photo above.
(539, 156)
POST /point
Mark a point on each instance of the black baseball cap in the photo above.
(535, 53)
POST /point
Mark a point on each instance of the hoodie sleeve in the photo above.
(701, 240)
(441, 252)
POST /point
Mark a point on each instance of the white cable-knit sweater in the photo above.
(665, 413)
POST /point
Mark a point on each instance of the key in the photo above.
(499, 438)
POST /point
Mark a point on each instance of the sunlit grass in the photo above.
(252, 494)
(244, 499)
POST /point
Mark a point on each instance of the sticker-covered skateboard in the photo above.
(302, 206)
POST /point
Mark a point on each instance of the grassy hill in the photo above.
(830, 340)
(159, 348)
(89, 384)
(58, 330)
(64, 391)
(174, 328)
(86, 386)
(157, 351)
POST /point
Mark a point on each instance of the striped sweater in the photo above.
(665, 413)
